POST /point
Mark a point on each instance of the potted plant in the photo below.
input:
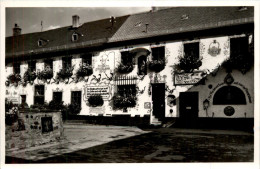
(156, 65)
(95, 100)
(65, 73)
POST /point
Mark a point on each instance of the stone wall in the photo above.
(34, 128)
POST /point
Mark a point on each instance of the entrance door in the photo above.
(158, 98)
(188, 107)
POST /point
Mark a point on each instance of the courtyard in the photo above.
(115, 144)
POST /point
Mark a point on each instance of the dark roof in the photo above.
(61, 38)
(168, 21)
(161, 22)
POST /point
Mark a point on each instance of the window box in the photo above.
(156, 65)
(125, 68)
(45, 74)
(121, 102)
(29, 76)
(65, 73)
(191, 59)
(84, 70)
(13, 79)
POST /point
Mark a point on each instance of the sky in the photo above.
(29, 19)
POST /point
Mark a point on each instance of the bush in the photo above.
(156, 65)
(95, 100)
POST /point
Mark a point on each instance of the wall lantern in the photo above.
(206, 105)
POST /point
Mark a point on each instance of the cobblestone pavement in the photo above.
(160, 145)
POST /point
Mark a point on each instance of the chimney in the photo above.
(16, 30)
(75, 21)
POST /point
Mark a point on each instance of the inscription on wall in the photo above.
(187, 78)
(104, 91)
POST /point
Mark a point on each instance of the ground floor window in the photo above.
(39, 94)
(47, 125)
(76, 97)
(57, 97)
(229, 95)
(126, 90)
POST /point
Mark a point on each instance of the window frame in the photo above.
(42, 96)
(55, 98)
(48, 62)
(157, 54)
(189, 46)
(77, 98)
(66, 62)
(32, 65)
(127, 90)
(86, 59)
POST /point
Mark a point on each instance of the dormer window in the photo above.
(75, 37)
(40, 43)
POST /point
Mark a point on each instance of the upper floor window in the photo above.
(191, 50)
(238, 47)
(48, 63)
(86, 59)
(16, 67)
(66, 62)
(40, 43)
(158, 53)
(75, 37)
(126, 58)
(39, 94)
(32, 65)
(126, 90)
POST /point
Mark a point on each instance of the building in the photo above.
(184, 63)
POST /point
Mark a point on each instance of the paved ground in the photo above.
(160, 145)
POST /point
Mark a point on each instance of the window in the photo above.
(86, 59)
(57, 97)
(32, 65)
(126, 58)
(47, 125)
(229, 95)
(76, 97)
(16, 67)
(238, 47)
(66, 62)
(75, 37)
(23, 99)
(40, 43)
(142, 66)
(191, 50)
(158, 53)
(48, 63)
(126, 90)
(39, 94)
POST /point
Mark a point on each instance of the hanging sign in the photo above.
(187, 78)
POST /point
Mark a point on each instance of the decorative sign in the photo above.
(214, 49)
(12, 96)
(229, 111)
(104, 91)
(147, 105)
(187, 78)
(103, 67)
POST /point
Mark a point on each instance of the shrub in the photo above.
(156, 65)
(95, 100)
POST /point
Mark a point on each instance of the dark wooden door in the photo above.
(158, 98)
(188, 105)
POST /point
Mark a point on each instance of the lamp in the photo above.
(206, 105)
